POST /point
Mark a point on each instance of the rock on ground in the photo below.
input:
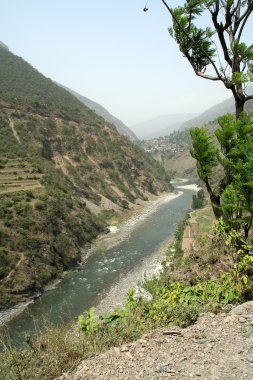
(216, 347)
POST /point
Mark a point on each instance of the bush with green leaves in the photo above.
(87, 322)
(231, 194)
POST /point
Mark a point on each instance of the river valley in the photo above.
(117, 263)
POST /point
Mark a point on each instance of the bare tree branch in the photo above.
(248, 98)
(202, 75)
(220, 31)
(239, 19)
(244, 22)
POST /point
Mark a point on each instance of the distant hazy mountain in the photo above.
(227, 106)
(101, 111)
(160, 126)
(164, 132)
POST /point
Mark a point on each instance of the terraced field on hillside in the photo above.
(17, 175)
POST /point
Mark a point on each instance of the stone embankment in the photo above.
(216, 347)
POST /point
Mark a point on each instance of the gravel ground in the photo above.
(216, 347)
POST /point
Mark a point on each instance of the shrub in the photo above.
(198, 200)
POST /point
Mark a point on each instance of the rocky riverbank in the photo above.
(216, 347)
(121, 231)
(150, 267)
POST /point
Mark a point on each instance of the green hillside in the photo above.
(18, 79)
(100, 110)
(61, 167)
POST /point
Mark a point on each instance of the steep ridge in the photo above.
(3, 46)
(62, 169)
(101, 111)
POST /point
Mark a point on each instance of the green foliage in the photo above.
(116, 318)
(6, 263)
(87, 323)
(198, 200)
(20, 80)
(178, 302)
(216, 291)
(40, 205)
(194, 42)
(232, 195)
(162, 313)
(62, 244)
(107, 215)
(178, 236)
(239, 248)
(9, 146)
(224, 32)
(131, 299)
(204, 151)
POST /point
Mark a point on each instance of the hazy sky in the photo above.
(111, 52)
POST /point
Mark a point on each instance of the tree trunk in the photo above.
(239, 106)
(215, 200)
(239, 98)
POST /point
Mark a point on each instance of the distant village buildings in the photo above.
(163, 145)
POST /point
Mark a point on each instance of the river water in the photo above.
(106, 273)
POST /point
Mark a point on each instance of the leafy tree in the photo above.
(217, 51)
(232, 194)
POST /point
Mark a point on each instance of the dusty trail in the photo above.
(12, 127)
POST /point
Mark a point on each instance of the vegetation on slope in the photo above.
(61, 164)
(20, 80)
(172, 152)
(101, 111)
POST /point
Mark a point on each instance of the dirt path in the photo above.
(12, 127)
(217, 347)
(190, 234)
(22, 257)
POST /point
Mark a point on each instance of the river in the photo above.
(102, 281)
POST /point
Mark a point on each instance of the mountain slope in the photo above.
(227, 106)
(101, 111)
(3, 46)
(62, 166)
(182, 164)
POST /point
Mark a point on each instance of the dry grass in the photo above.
(61, 349)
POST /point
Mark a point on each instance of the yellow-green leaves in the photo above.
(204, 151)
(87, 322)
(239, 78)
